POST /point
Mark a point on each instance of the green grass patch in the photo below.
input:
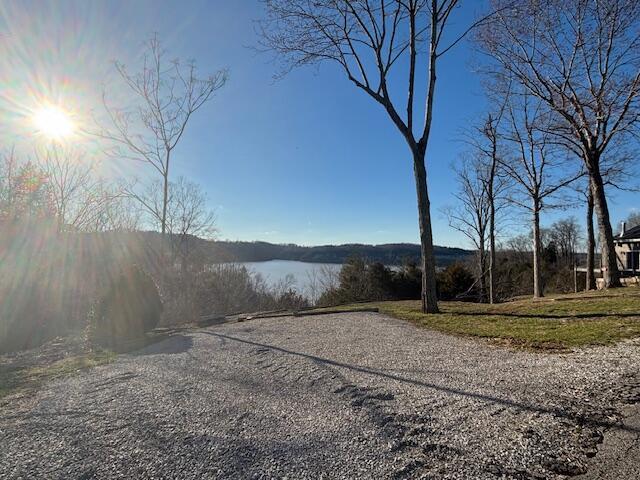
(559, 322)
(20, 378)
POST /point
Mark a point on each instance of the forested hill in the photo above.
(228, 251)
(389, 254)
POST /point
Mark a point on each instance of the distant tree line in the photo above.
(388, 254)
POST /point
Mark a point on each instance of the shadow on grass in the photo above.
(580, 419)
(548, 316)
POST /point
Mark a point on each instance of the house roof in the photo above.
(631, 233)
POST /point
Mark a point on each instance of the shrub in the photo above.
(362, 281)
(453, 281)
(228, 288)
(131, 307)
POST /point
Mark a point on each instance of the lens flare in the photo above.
(53, 122)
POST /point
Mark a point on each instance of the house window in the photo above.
(633, 260)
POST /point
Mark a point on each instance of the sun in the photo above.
(53, 122)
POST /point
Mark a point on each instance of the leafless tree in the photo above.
(565, 235)
(168, 93)
(321, 279)
(188, 216)
(471, 215)
(519, 246)
(373, 41)
(24, 191)
(79, 196)
(485, 140)
(536, 168)
(9, 168)
(633, 220)
(581, 58)
(121, 213)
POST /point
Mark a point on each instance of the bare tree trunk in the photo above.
(611, 273)
(429, 295)
(492, 250)
(165, 201)
(537, 253)
(591, 244)
(481, 273)
(164, 236)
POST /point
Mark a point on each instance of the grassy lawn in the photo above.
(558, 322)
(20, 378)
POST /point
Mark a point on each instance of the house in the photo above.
(627, 245)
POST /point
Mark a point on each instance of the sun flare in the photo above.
(53, 122)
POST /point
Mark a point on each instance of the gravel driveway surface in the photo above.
(336, 396)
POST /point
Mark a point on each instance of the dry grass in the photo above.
(15, 378)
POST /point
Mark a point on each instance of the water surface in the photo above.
(305, 277)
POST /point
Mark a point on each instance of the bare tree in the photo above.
(120, 213)
(580, 58)
(493, 188)
(78, 195)
(24, 190)
(485, 140)
(168, 94)
(188, 216)
(471, 216)
(9, 168)
(633, 220)
(536, 168)
(519, 246)
(565, 235)
(321, 279)
(373, 41)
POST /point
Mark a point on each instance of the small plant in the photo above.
(131, 307)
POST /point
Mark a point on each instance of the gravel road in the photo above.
(335, 396)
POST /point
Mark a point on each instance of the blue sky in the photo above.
(307, 159)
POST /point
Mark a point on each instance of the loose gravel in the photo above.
(339, 396)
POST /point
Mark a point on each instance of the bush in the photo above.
(360, 281)
(227, 288)
(131, 307)
(453, 281)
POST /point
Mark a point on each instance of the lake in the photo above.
(303, 273)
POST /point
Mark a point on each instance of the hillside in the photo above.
(237, 251)
(389, 254)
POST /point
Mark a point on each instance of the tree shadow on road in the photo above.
(585, 419)
(165, 344)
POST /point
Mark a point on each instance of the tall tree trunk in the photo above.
(537, 253)
(611, 273)
(481, 273)
(492, 249)
(165, 201)
(429, 295)
(164, 236)
(591, 244)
